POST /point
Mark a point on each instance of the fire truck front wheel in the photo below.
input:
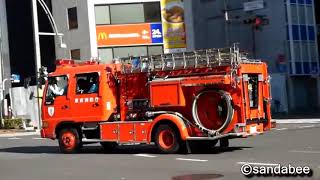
(69, 140)
(167, 139)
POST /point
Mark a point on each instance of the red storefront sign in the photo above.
(119, 35)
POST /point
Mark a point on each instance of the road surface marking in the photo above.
(306, 152)
(281, 129)
(13, 138)
(194, 160)
(145, 155)
(36, 138)
(298, 121)
(307, 126)
(257, 163)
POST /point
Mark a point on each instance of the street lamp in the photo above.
(37, 41)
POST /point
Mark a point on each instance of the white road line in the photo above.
(36, 138)
(307, 126)
(14, 138)
(298, 121)
(145, 155)
(257, 163)
(281, 129)
(306, 152)
(194, 160)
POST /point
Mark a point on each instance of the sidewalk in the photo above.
(17, 132)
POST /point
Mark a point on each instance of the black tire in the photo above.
(224, 143)
(74, 144)
(108, 146)
(175, 141)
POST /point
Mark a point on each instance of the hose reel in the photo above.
(226, 97)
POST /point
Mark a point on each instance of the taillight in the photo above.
(240, 127)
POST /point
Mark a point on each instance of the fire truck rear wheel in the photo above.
(69, 140)
(167, 139)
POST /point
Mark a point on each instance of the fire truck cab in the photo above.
(170, 100)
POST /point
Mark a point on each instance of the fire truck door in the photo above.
(87, 105)
(56, 103)
(253, 97)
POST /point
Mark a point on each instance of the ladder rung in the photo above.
(184, 60)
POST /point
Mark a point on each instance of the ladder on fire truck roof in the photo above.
(185, 60)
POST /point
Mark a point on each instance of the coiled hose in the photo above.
(230, 112)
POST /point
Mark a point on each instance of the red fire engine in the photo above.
(204, 96)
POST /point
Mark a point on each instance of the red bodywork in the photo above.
(129, 106)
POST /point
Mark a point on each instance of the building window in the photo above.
(130, 51)
(107, 54)
(72, 18)
(155, 50)
(310, 15)
(75, 54)
(102, 14)
(152, 12)
(128, 13)
(302, 15)
(294, 14)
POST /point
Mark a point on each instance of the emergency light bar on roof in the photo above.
(61, 62)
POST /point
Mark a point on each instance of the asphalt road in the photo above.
(33, 158)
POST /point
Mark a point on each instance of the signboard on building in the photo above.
(174, 35)
(129, 34)
(281, 63)
(253, 5)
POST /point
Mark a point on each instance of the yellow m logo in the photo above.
(102, 36)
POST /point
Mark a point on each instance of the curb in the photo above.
(298, 121)
(20, 134)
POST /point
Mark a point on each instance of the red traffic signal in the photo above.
(257, 22)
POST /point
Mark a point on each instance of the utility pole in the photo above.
(1, 79)
(37, 54)
(37, 41)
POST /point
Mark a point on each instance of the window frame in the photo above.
(65, 93)
(144, 13)
(72, 50)
(88, 75)
(70, 27)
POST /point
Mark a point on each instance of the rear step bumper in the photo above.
(229, 136)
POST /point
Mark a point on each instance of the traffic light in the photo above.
(257, 22)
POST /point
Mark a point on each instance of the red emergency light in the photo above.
(61, 62)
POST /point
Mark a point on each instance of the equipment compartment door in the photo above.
(253, 97)
(126, 131)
